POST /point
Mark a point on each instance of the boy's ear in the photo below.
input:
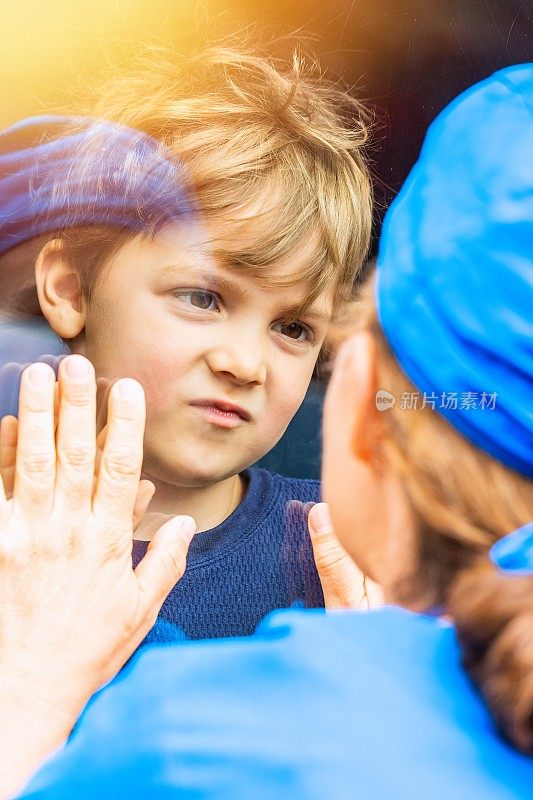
(59, 290)
(366, 424)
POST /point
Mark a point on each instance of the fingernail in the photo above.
(186, 526)
(76, 368)
(321, 517)
(129, 389)
(40, 376)
(147, 488)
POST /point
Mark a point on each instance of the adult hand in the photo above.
(8, 449)
(72, 608)
(343, 583)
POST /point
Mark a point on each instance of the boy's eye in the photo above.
(198, 298)
(296, 331)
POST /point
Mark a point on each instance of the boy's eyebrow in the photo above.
(212, 279)
(216, 281)
(316, 313)
(310, 312)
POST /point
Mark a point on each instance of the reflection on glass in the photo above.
(198, 233)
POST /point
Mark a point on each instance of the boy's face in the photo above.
(203, 339)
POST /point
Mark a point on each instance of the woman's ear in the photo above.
(59, 290)
(365, 424)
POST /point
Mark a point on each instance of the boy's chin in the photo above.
(193, 475)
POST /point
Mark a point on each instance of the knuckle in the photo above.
(18, 553)
(79, 457)
(175, 561)
(36, 463)
(35, 404)
(19, 560)
(122, 464)
(76, 396)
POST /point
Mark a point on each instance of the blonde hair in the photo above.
(278, 147)
(463, 501)
(281, 145)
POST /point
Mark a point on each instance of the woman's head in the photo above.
(428, 423)
(424, 493)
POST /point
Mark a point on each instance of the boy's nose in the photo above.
(239, 362)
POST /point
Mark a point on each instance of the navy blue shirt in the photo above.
(259, 559)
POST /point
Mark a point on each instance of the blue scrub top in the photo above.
(352, 704)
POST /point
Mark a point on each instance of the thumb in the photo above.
(330, 555)
(164, 562)
(343, 583)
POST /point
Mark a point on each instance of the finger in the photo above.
(35, 466)
(8, 446)
(101, 437)
(373, 593)
(103, 388)
(54, 362)
(319, 518)
(342, 581)
(327, 550)
(100, 442)
(120, 464)
(76, 434)
(164, 563)
(56, 405)
(8, 452)
(144, 496)
(10, 376)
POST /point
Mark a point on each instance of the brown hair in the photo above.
(463, 501)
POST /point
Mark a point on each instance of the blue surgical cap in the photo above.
(455, 268)
(60, 172)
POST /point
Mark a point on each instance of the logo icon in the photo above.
(384, 400)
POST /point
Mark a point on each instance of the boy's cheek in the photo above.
(279, 413)
(153, 373)
(289, 396)
(159, 388)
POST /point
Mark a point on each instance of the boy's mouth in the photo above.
(221, 412)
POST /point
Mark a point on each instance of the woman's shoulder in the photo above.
(313, 705)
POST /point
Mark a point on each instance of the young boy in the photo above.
(221, 312)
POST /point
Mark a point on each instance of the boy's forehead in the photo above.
(238, 283)
(208, 251)
(264, 233)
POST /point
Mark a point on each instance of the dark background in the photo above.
(406, 58)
